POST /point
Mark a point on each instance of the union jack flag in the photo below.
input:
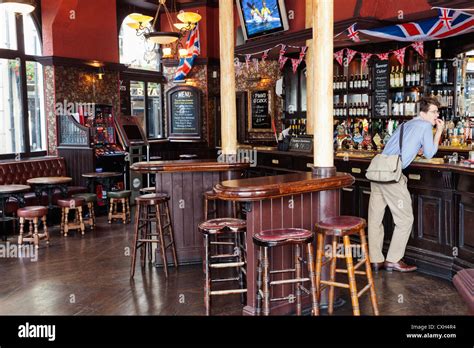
(449, 23)
(353, 34)
(193, 46)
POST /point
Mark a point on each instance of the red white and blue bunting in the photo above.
(400, 54)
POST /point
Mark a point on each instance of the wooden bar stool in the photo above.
(115, 198)
(297, 238)
(153, 208)
(343, 227)
(223, 229)
(33, 215)
(90, 199)
(67, 205)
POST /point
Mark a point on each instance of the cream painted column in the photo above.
(322, 113)
(228, 101)
(309, 71)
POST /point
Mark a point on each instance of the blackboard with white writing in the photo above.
(184, 109)
(260, 116)
(381, 86)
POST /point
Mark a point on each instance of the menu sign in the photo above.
(381, 82)
(184, 109)
(260, 110)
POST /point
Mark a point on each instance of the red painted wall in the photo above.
(92, 35)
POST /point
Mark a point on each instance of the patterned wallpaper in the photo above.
(263, 76)
(76, 85)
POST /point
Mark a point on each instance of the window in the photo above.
(22, 117)
(135, 51)
(151, 118)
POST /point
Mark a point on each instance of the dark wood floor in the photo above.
(90, 276)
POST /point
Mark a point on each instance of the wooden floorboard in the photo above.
(90, 276)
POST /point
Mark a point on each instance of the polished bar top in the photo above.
(266, 187)
(365, 157)
(205, 165)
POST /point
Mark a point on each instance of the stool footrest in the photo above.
(355, 272)
(227, 265)
(223, 256)
(228, 292)
(341, 285)
(290, 281)
(287, 298)
(225, 280)
(283, 271)
(360, 293)
(222, 243)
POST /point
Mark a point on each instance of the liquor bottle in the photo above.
(417, 75)
(402, 77)
(438, 73)
(392, 77)
(438, 52)
(351, 82)
(408, 77)
(413, 76)
(444, 73)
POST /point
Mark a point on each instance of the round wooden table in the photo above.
(7, 191)
(48, 185)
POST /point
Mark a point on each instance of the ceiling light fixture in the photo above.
(18, 6)
(170, 39)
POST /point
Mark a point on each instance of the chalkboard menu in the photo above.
(260, 111)
(381, 86)
(184, 110)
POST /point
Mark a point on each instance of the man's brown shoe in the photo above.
(399, 266)
(377, 266)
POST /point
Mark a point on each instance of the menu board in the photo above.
(381, 86)
(260, 110)
(184, 109)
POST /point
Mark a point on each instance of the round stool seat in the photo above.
(152, 199)
(210, 195)
(341, 225)
(32, 212)
(217, 226)
(187, 156)
(71, 202)
(146, 190)
(283, 236)
(119, 194)
(88, 197)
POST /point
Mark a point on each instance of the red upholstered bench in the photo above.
(18, 172)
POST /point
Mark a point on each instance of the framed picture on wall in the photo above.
(260, 110)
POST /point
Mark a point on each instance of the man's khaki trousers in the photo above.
(398, 199)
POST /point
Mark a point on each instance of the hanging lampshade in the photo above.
(162, 37)
(184, 26)
(18, 6)
(140, 18)
(189, 17)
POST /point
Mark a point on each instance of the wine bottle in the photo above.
(438, 73)
(438, 51)
(444, 73)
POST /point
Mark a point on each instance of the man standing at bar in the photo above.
(417, 138)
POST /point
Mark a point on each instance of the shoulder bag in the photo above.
(386, 169)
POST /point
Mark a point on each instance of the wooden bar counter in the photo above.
(442, 240)
(284, 201)
(185, 182)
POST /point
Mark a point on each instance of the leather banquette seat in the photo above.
(18, 172)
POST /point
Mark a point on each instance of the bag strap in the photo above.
(401, 139)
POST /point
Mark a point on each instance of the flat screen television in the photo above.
(262, 17)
